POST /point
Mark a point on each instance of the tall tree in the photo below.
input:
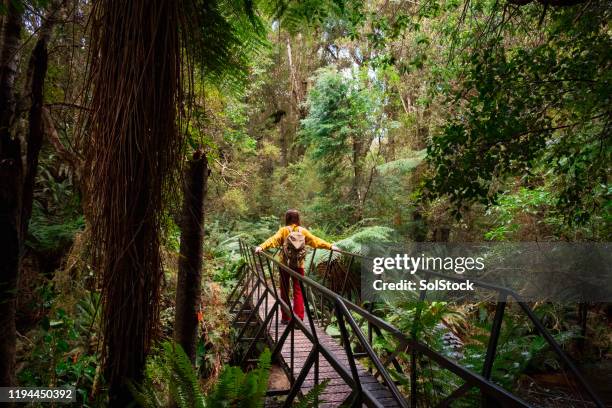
(189, 283)
(139, 52)
(18, 162)
(343, 119)
(133, 149)
(11, 172)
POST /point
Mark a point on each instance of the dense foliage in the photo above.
(382, 122)
(538, 110)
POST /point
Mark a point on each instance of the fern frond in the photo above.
(297, 16)
(356, 243)
(311, 399)
(144, 394)
(187, 390)
(403, 165)
(237, 389)
(169, 373)
(224, 63)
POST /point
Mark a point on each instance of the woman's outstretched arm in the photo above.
(314, 241)
(274, 241)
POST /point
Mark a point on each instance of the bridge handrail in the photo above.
(413, 343)
(310, 334)
(503, 294)
(342, 309)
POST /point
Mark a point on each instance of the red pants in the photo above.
(298, 299)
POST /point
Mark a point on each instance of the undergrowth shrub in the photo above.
(62, 352)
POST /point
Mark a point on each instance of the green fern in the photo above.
(356, 243)
(48, 233)
(187, 392)
(169, 373)
(224, 63)
(311, 399)
(404, 165)
(173, 369)
(88, 315)
(238, 389)
(145, 395)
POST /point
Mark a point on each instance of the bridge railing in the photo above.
(260, 283)
(338, 268)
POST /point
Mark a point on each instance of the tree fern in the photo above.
(404, 165)
(222, 36)
(298, 16)
(356, 243)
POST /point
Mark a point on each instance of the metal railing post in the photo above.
(487, 367)
(276, 298)
(348, 271)
(372, 355)
(325, 276)
(348, 349)
(413, 353)
(315, 335)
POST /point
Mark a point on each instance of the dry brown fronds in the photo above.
(75, 276)
(216, 331)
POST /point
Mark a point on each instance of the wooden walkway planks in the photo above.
(337, 390)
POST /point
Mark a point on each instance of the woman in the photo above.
(292, 223)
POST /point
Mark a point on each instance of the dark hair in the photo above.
(292, 217)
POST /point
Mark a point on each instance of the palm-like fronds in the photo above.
(357, 243)
(221, 37)
(296, 16)
(186, 392)
(402, 166)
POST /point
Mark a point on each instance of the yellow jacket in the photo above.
(278, 239)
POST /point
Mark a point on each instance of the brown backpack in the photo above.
(294, 248)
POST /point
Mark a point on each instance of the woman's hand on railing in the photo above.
(335, 248)
(258, 249)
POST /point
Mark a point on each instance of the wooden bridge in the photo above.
(363, 360)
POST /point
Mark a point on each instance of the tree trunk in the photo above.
(441, 234)
(11, 176)
(132, 151)
(190, 262)
(16, 176)
(356, 193)
(11, 35)
(37, 74)
(297, 86)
